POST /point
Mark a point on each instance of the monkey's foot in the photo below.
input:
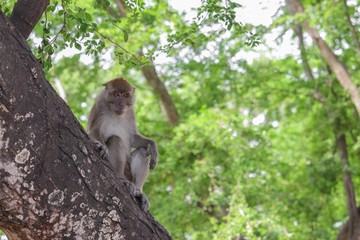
(139, 196)
(101, 149)
(142, 200)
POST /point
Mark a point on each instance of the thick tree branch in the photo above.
(153, 79)
(52, 183)
(352, 225)
(122, 9)
(151, 76)
(335, 64)
(349, 187)
(26, 14)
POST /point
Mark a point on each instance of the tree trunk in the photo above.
(349, 187)
(52, 184)
(337, 67)
(352, 227)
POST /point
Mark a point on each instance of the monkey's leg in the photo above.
(139, 171)
(117, 155)
(139, 167)
(118, 158)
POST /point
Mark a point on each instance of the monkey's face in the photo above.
(119, 95)
(119, 101)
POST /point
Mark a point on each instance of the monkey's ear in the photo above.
(133, 89)
(105, 84)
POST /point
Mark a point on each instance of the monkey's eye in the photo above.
(116, 94)
(126, 94)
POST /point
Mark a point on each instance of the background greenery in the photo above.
(254, 153)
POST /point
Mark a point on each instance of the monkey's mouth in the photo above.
(119, 109)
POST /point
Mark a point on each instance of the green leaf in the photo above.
(126, 35)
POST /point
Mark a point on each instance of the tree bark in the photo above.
(151, 76)
(337, 67)
(351, 229)
(349, 187)
(26, 14)
(52, 183)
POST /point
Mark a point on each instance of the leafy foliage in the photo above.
(254, 154)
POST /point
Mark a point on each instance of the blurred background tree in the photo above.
(250, 142)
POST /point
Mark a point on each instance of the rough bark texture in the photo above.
(26, 14)
(337, 67)
(52, 184)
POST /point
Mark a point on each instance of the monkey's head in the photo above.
(119, 95)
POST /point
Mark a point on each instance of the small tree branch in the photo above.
(307, 69)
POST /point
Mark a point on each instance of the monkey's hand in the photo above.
(101, 149)
(153, 151)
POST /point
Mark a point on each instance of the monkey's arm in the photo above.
(95, 134)
(150, 145)
(99, 142)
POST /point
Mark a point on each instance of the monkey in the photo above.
(112, 127)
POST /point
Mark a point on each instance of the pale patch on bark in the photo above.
(98, 196)
(93, 213)
(12, 100)
(75, 195)
(15, 177)
(34, 72)
(114, 216)
(82, 172)
(83, 149)
(22, 118)
(4, 144)
(56, 198)
(22, 156)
